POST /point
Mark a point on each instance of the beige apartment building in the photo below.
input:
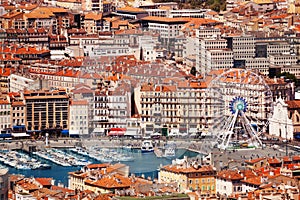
(47, 110)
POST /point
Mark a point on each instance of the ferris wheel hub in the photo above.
(238, 104)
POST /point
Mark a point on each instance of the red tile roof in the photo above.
(44, 181)
(111, 182)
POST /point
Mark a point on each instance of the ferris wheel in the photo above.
(240, 105)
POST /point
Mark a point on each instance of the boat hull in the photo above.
(147, 151)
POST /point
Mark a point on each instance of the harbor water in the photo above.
(144, 164)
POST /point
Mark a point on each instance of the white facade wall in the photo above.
(79, 119)
(280, 124)
(4, 116)
(278, 48)
(247, 188)
(119, 109)
(294, 69)
(201, 34)
(18, 83)
(283, 59)
(243, 47)
(192, 13)
(165, 30)
(261, 64)
(190, 47)
(224, 187)
(206, 44)
(219, 59)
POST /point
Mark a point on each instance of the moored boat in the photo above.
(147, 146)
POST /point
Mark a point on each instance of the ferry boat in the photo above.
(147, 146)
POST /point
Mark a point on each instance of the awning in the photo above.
(5, 135)
(19, 126)
(65, 132)
(117, 132)
(132, 132)
(99, 130)
(30, 131)
(20, 135)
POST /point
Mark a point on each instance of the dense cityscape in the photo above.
(109, 100)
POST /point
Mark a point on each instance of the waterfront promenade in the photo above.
(188, 144)
(89, 142)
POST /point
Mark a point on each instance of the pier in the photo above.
(158, 152)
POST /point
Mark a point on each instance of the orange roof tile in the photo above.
(294, 104)
(111, 181)
(93, 16)
(131, 9)
(273, 161)
(230, 175)
(176, 169)
(27, 184)
(253, 181)
(44, 181)
(254, 160)
(79, 102)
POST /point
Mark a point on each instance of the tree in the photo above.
(289, 76)
(193, 71)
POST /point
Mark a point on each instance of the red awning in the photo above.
(117, 131)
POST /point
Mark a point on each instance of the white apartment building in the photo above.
(201, 33)
(205, 44)
(119, 107)
(243, 47)
(157, 12)
(4, 114)
(218, 59)
(229, 182)
(278, 47)
(178, 108)
(292, 69)
(191, 13)
(112, 106)
(106, 50)
(260, 64)
(18, 83)
(79, 122)
(190, 47)
(206, 32)
(147, 44)
(168, 28)
(283, 59)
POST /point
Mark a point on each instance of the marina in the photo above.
(21, 161)
(144, 164)
(61, 158)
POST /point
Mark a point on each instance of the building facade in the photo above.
(47, 111)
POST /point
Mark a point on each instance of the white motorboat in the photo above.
(147, 146)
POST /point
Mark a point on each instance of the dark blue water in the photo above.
(144, 164)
